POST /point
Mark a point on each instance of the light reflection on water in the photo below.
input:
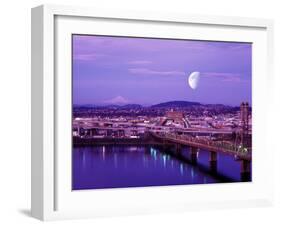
(181, 168)
(122, 166)
(103, 153)
(164, 160)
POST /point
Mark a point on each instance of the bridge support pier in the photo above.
(213, 161)
(165, 146)
(178, 148)
(245, 172)
(193, 154)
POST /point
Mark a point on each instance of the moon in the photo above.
(193, 79)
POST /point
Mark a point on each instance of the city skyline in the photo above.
(121, 70)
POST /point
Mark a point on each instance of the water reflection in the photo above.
(121, 166)
(204, 180)
(115, 160)
(181, 168)
(103, 153)
(84, 160)
(164, 160)
(192, 173)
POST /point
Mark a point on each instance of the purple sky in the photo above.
(119, 70)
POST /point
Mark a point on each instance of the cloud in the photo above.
(119, 100)
(145, 71)
(87, 56)
(225, 77)
(139, 62)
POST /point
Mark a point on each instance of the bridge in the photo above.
(214, 147)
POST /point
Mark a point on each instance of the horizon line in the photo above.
(149, 105)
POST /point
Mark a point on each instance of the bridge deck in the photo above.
(214, 146)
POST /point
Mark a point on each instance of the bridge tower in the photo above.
(244, 133)
(245, 164)
(244, 114)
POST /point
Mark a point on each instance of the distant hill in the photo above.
(176, 104)
(170, 104)
(131, 106)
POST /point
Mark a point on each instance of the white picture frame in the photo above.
(51, 196)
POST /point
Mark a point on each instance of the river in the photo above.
(97, 167)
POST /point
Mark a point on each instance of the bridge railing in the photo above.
(222, 145)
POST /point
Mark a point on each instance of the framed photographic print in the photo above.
(139, 112)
